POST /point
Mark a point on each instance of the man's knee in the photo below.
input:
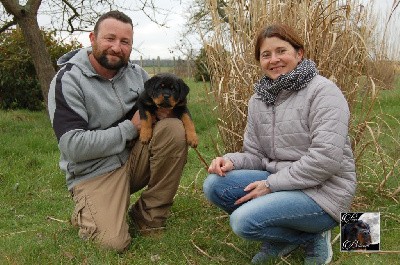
(169, 139)
(170, 129)
(118, 243)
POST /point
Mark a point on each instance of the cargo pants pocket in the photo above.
(84, 218)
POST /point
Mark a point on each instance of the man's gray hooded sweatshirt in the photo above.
(91, 115)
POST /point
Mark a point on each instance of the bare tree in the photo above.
(66, 15)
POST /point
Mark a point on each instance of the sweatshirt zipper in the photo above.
(118, 98)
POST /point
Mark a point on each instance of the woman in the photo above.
(296, 173)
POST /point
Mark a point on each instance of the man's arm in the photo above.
(70, 122)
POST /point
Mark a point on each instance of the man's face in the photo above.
(113, 44)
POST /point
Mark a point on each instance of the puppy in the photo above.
(356, 235)
(165, 91)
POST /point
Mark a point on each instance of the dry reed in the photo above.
(338, 35)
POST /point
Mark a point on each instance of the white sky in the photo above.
(151, 40)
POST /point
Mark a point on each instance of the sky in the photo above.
(151, 40)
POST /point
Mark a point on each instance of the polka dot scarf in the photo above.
(295, 80)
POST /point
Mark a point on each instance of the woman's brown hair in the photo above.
(280, 31)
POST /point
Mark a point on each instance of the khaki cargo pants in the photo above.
(101, 203)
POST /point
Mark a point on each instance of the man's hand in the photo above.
(220, 166)
(136, 121)
(256, 188)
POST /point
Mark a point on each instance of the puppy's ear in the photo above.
(150, 84)
(183, 89)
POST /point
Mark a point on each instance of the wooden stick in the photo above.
(201, 158)
(55, 219)
(201, 251)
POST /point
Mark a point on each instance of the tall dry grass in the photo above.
(340, 36)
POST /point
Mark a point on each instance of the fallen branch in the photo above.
(187, 259)
(236, 248)
(55, 219)
(200, 250)
(335, 239)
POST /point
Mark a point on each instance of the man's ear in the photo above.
(92, 38)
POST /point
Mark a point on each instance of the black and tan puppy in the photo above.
(166, 91)
(356, 235)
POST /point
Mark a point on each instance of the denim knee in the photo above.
(208, 187)
(241, 225)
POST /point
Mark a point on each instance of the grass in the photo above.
(35, 205)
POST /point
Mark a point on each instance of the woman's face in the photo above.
(278, 57)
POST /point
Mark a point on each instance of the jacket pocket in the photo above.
(84, 217)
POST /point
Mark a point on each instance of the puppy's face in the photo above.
(363, 233)
(166, 90)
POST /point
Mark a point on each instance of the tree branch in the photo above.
(7, 25)
(75, 14)
(12, 7)
(34, 5)
(150, 4)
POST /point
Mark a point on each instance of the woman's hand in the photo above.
(220, 166)
(256, 188)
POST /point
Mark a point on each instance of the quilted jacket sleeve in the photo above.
(328, 120)
(252, 156)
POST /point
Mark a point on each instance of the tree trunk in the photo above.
(40, 56)
(26, 18)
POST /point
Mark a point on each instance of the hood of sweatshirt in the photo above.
(79, 58)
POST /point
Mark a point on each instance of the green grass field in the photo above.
(35, 205)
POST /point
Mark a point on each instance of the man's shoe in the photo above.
(319, 250)
(138, 227)
(271, 251)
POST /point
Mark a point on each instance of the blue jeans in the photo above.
(283, 217)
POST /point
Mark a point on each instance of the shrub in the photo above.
(19, 87)
(202, 73)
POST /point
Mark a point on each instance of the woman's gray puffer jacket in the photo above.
(303, 141)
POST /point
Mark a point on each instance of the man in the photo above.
(90, 102)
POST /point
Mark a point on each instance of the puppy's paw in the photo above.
(145, 135)
(192, 139)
